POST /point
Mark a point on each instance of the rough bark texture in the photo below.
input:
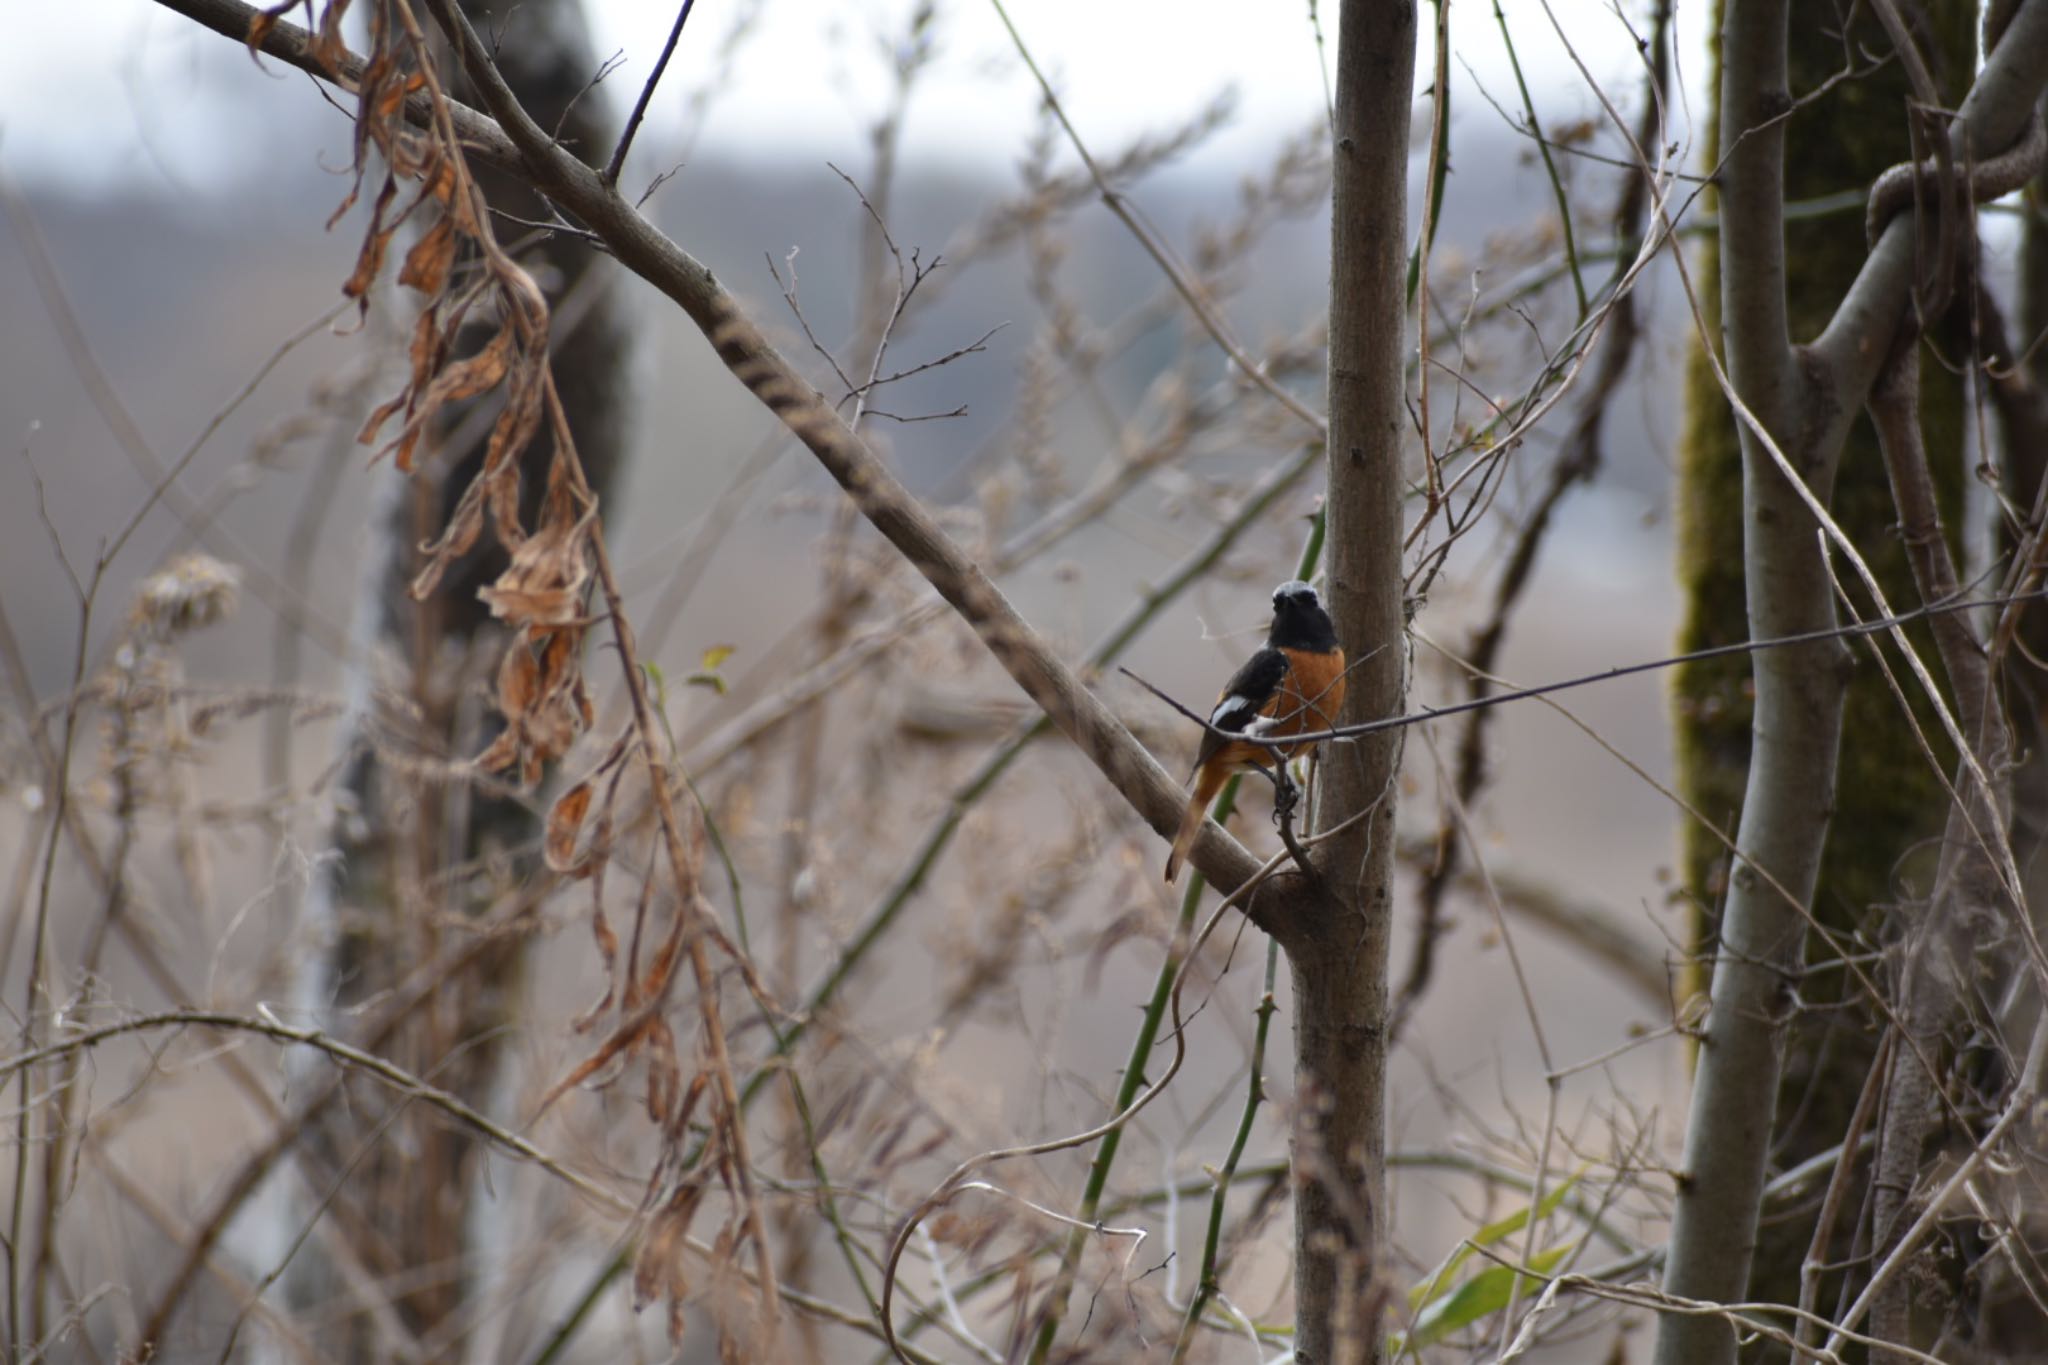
(1339, 960)
(1889, 800)
(419, 852)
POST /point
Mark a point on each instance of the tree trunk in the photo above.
(1339, 962)
(1790, 791)
(1888, 800)
(420, 851)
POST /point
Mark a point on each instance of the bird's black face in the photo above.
(1299, 621)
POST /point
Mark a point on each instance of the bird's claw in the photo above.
(1285, 796)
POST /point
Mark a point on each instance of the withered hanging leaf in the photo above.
(401, 449)
(426, 338)
(380, 416)
(559, 657)
(651, 1270)
(700, 1085)
(437, 182)
(390, 99)
(501, 495)
(565, 822)
(425, 350)
(502, 754)
(543, 585)
(466, 378)
(583, 1022)
(524, 296)
(376, 240)
(328, 47)
(455, 540)
(520, 419)
(658, 1270)
(579, 692)
(518, 680)
(664, 1070)
(431, 258)
(620, 1041)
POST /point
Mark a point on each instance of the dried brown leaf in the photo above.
(565, 822)
(653, 1269)
(431, 258)
(380, 416)
(501, 495)
(502, 754)
(700, 1085)
(664, 1071)
(376, 241)
(518, 680)
(545, 582)
(328, 46)
(520, 419)
(621, 1041)
(461, 533)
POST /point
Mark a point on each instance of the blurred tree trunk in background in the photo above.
(1891, 804)
(427, 855)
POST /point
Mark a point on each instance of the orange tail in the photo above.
(1208, 781)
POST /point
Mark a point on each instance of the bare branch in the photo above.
(618, 160)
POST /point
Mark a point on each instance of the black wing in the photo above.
(1248, 695)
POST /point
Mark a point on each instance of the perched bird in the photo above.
(1293, 686)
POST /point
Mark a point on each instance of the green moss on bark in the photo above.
(1889, 799)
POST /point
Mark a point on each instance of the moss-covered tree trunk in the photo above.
(1891, 803)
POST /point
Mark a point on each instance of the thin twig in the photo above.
(618, 158)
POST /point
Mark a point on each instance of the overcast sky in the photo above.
(137, 92)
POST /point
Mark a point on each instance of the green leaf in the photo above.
(1486, 1237)
(658, 680)
(707, 674)
(1481, 1294)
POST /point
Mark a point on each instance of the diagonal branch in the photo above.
(878, 494)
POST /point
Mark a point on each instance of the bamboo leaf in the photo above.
(1482, 1294)
(1487, 1236)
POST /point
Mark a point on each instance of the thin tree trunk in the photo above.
(1339, 960)
(1888, 799)
(1790, 791)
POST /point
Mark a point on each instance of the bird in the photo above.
(1295, 685)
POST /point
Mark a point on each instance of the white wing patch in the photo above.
(1229, 706)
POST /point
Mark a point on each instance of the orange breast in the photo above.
(1311, 696)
